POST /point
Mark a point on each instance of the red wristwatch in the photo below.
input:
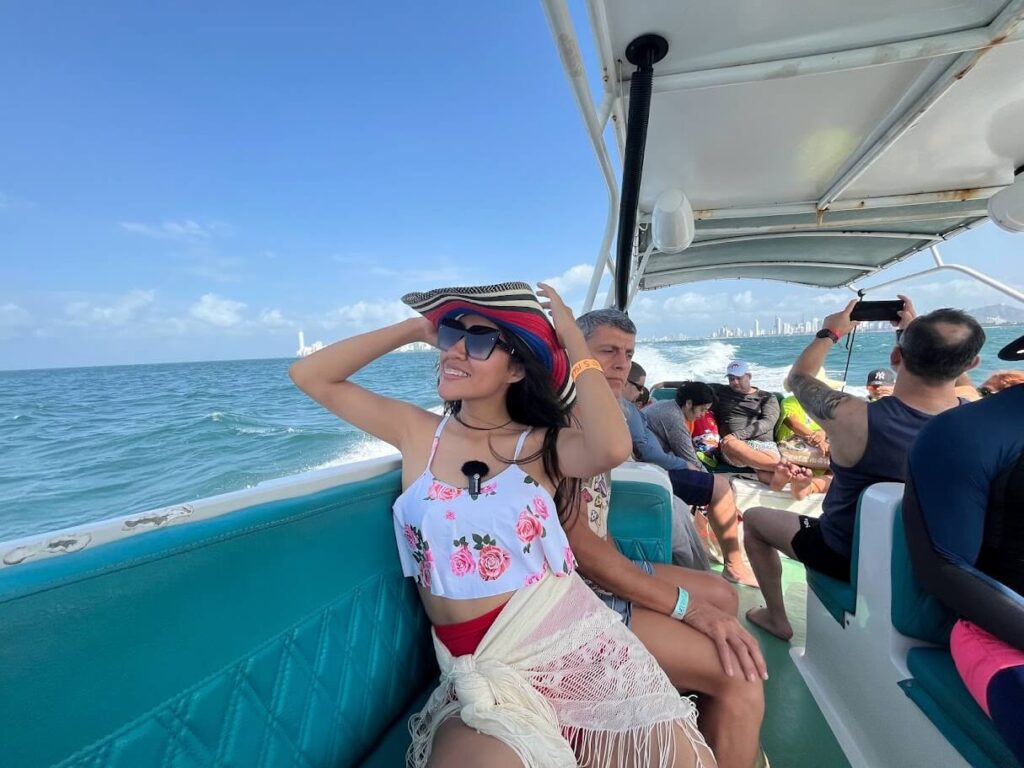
(827, 333)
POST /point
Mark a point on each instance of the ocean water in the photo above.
(84, 444)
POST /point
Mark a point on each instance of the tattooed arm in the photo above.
(843, 416)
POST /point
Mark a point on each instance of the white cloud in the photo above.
(690, 303)
(120, 312)
(744, 300)
(13, 320)
(218, 311)
(187, 230)
(272, 318)
(832, 299)
(572, 279)
(960, 292)
(364, 314)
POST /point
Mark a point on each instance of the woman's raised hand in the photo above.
(561, 316)
(425, 330)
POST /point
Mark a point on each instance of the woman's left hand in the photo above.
(561, 316)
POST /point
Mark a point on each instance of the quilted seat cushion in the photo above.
(640, 521)
(390, 750)
(940, 693)
(279, 635)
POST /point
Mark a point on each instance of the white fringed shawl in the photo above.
(559, 678)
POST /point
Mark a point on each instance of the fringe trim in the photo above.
(646, 745)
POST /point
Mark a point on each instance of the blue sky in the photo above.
(198, 181)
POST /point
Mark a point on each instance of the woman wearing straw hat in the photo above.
(535, 670)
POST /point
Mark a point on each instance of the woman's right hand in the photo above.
(736, 646)
(561, 316)
(426, 331)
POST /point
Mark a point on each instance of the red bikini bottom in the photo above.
(464, 637)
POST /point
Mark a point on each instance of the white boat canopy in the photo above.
(817, 143)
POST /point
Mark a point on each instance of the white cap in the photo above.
(737, 368)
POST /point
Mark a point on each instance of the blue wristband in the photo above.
(681, 603)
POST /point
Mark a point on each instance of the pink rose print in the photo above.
(462, 561)
(540, 507)
(533, 578)
(528, 528)
(441, 492)
(494, 561)
(410, 537)
(489, 490)
(568, 562)
(426, 565)
(449, 515)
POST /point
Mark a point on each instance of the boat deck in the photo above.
(794, 733)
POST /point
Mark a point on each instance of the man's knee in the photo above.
(721, 490)
(731, 453)
(753, 521)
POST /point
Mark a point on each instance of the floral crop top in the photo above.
(461, 548)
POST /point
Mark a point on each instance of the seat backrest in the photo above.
(663, 393)
(915, 612)
(640, 520)
(280, 634)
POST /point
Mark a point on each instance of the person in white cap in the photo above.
(747, 417)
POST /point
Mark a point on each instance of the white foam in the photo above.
(707, 362)
(367, 448)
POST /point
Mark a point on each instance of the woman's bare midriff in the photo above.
(443, 610)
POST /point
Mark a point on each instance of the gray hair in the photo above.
(615, 318)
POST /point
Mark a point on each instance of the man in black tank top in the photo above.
(869, 443)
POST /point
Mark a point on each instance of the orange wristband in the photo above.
(583, 365)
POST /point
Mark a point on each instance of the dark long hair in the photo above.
(697, 392)
(532, 401)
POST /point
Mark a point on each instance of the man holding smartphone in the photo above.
(868, 443)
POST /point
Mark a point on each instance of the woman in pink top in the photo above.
(534, 669)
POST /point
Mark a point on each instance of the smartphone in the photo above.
(877, 310)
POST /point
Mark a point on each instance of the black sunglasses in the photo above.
(645, 393)
(480, 340)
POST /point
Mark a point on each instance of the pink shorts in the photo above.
(979, 656)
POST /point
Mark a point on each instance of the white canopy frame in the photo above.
(970, 44)
(942, 266)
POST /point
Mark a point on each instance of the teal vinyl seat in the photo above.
(279, 634)
(840, 597)
(663, 393)
(935, 685)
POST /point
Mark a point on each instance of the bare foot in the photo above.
(781, 476)
(762, 618)
(801, 485)
(740, 573)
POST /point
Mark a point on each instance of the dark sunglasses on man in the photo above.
(480, 339)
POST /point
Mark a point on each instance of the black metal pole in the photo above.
(645, 51)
